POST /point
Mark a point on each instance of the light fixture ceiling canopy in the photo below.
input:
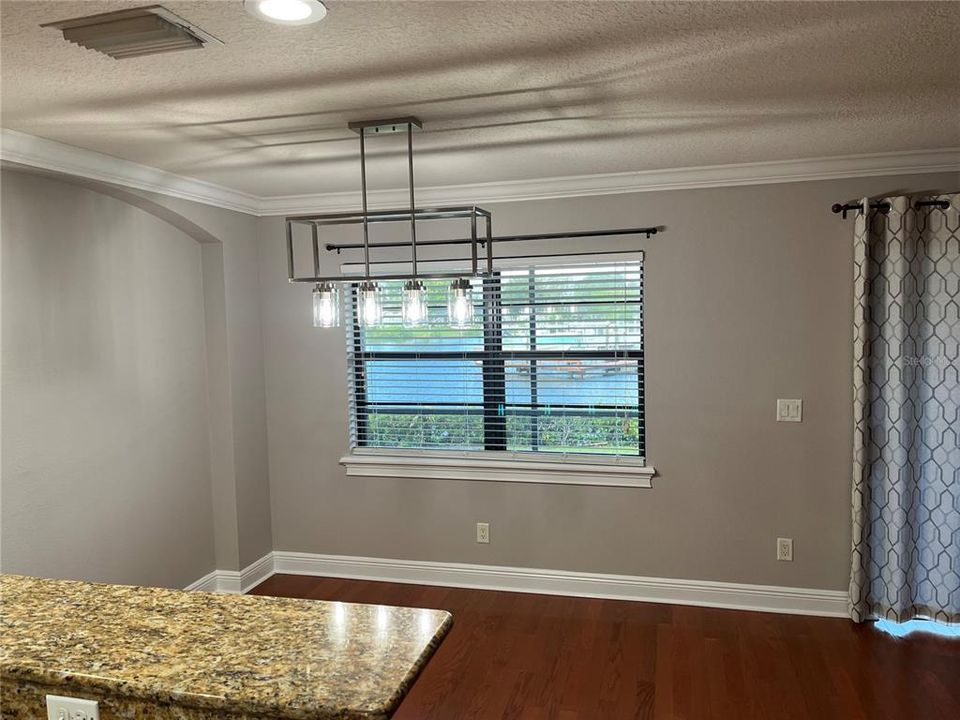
(386, 127)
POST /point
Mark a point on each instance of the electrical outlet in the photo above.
(68, 708)
(789, 410)
(483, 533)
(785, 549)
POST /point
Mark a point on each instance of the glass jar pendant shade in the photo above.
(326, 305)
(414, 308)
(460, 303)
(369, 304)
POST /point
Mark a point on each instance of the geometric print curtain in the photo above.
(906, 450)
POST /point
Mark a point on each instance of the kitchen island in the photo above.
(152, 653)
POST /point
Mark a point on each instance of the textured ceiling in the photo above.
(506, 90)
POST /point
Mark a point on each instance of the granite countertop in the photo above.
(263, 656)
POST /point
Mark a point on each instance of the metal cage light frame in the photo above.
(480, 239)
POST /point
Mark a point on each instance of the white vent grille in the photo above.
(133, 33)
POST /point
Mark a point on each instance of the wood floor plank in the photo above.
(519, 656)
(664, 686)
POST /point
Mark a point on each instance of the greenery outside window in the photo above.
(553, 366)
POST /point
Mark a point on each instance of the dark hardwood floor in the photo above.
(533, 657)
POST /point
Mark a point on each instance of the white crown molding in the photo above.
(21, 149)
(687, 178)
(761, 598)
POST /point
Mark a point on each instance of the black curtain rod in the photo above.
(587, 253)
(648, 231)
(884, 207)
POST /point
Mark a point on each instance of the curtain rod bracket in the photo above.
(884, 207)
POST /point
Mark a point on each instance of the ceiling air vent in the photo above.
(132, 33)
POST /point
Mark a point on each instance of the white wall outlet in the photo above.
(785, 549)
(483, 533)
(68, 708)
(789, 410)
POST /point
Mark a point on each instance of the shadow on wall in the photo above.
(184, 225)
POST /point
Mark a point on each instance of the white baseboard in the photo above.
(763, 598)
(228, 581)
(706, 593)
(232, 581)
(208, 583)
(256, 572)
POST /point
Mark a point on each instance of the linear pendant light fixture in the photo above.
(413, 306)
(370, 294)
(367, 293)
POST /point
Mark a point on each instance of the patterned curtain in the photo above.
(906, 461)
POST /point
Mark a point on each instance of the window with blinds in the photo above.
(552, 364)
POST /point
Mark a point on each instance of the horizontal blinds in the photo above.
(552, 363)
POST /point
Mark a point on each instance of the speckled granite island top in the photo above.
(217, 654)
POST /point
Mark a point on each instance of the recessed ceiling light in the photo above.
(287, 12)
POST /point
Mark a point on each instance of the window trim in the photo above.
(500, 466)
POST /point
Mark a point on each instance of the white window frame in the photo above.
(499, 466)
(502, 466)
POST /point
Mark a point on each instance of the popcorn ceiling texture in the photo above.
(509, 90)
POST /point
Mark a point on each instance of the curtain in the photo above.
(906, 461)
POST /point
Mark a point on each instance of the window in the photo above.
(553, 365)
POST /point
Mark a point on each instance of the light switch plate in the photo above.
(789, 410)
(68, 708)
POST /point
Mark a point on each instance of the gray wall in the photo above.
(133, 385)
(105, 449)
(151, 347)
(748, 299)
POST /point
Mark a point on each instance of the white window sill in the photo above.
(504, 467)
